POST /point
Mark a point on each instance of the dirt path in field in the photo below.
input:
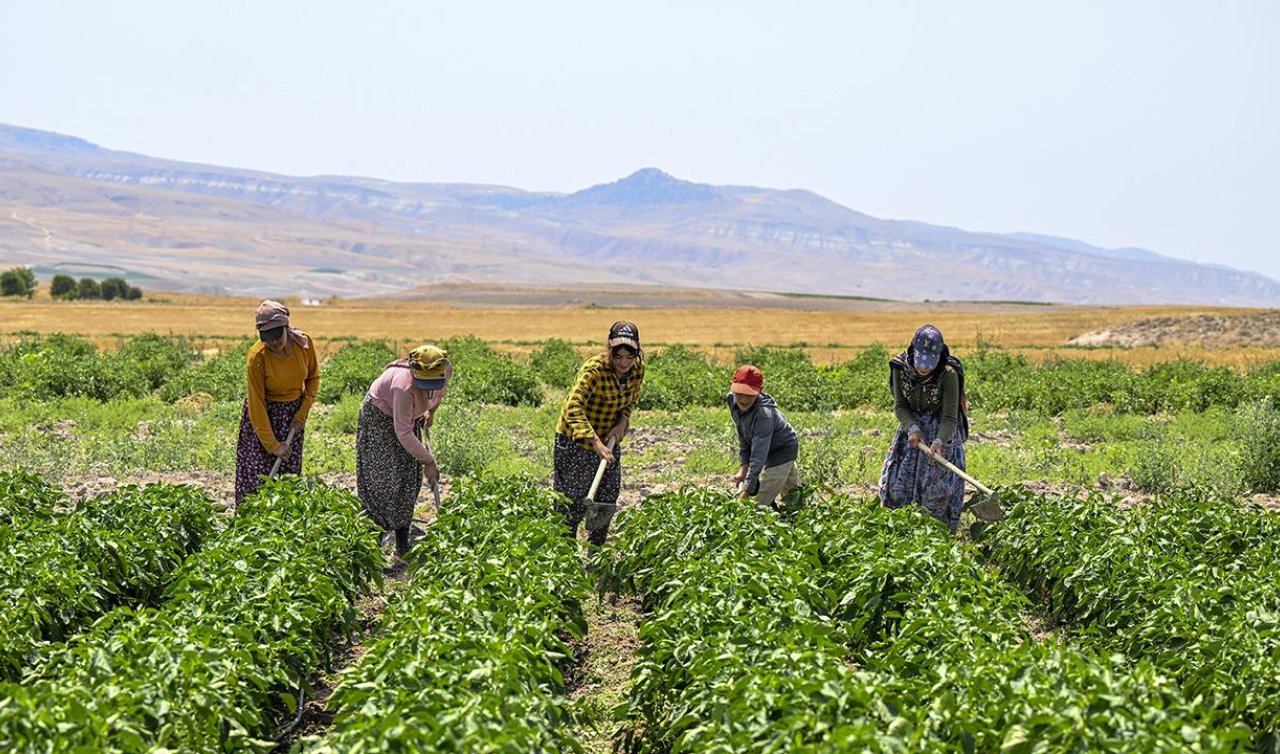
(601, 678)
(313, 718)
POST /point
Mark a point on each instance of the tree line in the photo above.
(20, 282)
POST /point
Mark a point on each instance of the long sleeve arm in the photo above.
(256, 398)
(402, 417)
(575, 414)
(901, 408)
(761, 440)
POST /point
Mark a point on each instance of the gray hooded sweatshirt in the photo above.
(764, 437)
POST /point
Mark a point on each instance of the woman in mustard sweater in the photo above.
(282, 377)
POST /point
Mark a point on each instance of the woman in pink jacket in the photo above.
(393, 450)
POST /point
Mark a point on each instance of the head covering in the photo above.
(747, 380)
(623, 333)
(430, 366)
(927, 347)
(272, 314)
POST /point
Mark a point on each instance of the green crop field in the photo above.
(1128, 603)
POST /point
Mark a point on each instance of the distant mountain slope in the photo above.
(65, 203)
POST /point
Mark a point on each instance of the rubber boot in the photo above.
(402, 541)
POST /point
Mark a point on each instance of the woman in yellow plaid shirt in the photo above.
(594, 419)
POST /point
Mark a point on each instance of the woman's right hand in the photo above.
(603, 451)
(282, 451)
(431, 472)
(914, 438)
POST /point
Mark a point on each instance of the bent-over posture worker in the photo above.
(767, 445)
(393, 449)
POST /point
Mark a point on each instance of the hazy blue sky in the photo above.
(1152, 124)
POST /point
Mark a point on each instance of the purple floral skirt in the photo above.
(909, 476)
(253, 462)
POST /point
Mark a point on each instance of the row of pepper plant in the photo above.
(245, 623)
(1190, 583)
(61, 568)
(473, 654)
(858, 628)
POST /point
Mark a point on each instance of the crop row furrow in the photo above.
(246, 622)
(859, 628)
(473, 654)
(60, 570)
(1191, 585)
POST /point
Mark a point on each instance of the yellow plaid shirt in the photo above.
(597, 401)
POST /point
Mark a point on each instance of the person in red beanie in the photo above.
(767, 445)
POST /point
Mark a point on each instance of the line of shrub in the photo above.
(860, 628)
(1190, 583)
(677, 377)
(472, 655)
(245, 624)
(60, 570)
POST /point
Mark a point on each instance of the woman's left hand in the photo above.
(427, 419)
(297, 426)
(936, 448)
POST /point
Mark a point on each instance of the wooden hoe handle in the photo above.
(595, 483)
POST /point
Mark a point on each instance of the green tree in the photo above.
(89, 288)
(18, 281)
(113, 288)
(63, 287)
(132, 293)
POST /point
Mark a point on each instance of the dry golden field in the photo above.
(831, 329)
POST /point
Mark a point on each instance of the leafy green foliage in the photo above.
(556, 363)
(482, 375)
(755, 621)
(246, 622)
(473, 654)
(157, 357)
(1259, 432)
(1191, 584)
(861, 381)
(25, 496)
(18, 281)
(791, 378)
(63, 570)
(220, 375)
(88, 288)
(352, 369)
(63, 287)
(677, 377)
(56, 366)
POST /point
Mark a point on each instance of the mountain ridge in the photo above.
(207, 228)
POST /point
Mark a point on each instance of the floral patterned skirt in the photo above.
(388, 477)
(910, 476)
(253, 462)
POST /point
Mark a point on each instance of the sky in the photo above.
(1151, 123)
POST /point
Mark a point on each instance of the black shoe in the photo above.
(402, 541)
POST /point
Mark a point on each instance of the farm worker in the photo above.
(282, 377)
(596, 415)
(767, 445)
(927, 386)
(393, 451)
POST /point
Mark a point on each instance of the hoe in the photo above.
(984, 503)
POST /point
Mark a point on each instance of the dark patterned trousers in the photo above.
(575, 468)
